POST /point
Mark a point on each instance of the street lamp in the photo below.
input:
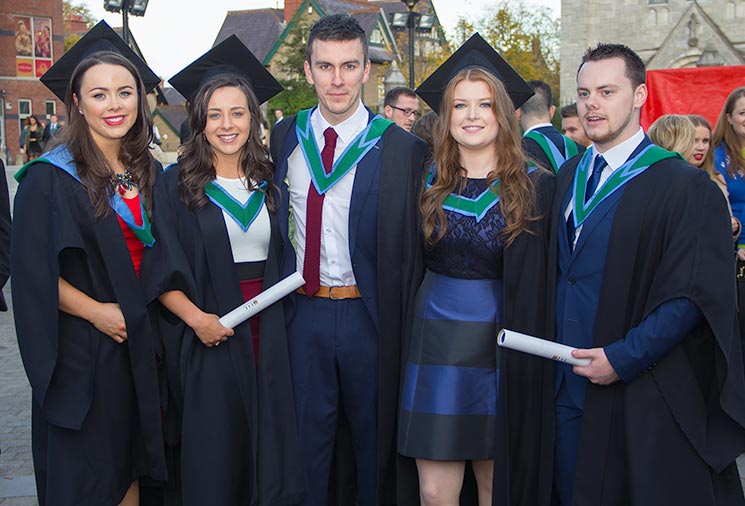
(411, 24)
(134, 7)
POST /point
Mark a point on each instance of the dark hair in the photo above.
(93, 168)
(337, 27)
(424, 129)
(569, 111)
(392, 96)
(724, 133)
(635, 69)
(196, 161)
(538, 105)
(32, 117)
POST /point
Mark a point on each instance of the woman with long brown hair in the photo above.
(81, 225)
(729, 155)
(478, 203)
(217, 247)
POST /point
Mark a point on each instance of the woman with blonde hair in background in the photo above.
(673, 132)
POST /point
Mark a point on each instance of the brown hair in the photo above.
(724, 133)
(197, 160)
(708, 163)
(516, 188)
(93, 168)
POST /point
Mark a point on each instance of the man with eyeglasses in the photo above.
(401, 106)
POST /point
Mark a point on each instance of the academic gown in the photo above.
(95, 413)
(521, 374)
(671, 436)
(235, 421)
(399, 268)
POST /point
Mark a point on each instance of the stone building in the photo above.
(665, 33)
(31, 39)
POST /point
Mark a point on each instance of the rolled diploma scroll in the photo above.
(540, 347)
(262, 301)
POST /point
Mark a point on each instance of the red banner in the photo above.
(699, 90)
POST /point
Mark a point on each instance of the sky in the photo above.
(173, 33)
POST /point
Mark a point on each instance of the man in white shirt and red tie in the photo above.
(351, 179)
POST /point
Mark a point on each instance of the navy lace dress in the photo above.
(449, 396)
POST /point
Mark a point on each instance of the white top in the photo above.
(253, 244)
(336, 260)
(614, 157)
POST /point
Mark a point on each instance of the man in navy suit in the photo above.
(351, 179)
(542, 143)
(641, 281)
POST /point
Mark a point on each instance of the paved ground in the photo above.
(17, 486)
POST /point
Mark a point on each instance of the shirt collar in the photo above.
(617, 155)
(539, 125)
(347, 130)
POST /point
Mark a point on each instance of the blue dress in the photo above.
(449, 395)
(735, 187)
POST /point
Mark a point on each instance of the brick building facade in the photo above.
(31, 39)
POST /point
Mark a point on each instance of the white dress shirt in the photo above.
(253, 244)
(614, 157)
(336, 259)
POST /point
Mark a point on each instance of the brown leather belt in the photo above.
(336, 292)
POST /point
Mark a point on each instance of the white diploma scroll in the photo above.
(539, 347)
(262, 301)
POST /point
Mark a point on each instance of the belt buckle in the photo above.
(331, 292)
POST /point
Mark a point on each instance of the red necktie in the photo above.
(314, 210)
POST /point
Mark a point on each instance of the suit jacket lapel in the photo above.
(363, 179)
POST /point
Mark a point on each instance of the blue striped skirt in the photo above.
(449, 393)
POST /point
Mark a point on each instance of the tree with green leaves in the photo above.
(298, 94)
(527, 36)
(71, 9)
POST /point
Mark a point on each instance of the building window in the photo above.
(376, 37)
(51, 107)
(24, 111)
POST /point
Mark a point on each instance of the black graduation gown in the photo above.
(671, 436)
(95, 411)
(237, 424)
(521, 374)
(401, 269)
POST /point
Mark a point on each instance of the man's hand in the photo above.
(599, 371)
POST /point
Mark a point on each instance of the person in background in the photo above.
(401, 105)
(542, 143)
(571, 126)
(729, 155)
(83, 329)
(278, 116)
(424, 129)
(479, 211)
(702, 157)
(51, 129)
(218, 246)
(33, 142)
(674, 132)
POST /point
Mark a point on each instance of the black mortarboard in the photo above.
(99, 38)
(475, 52)
(230, 56)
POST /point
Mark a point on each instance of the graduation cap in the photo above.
(230, 56)
(475, 52)
(99, 38)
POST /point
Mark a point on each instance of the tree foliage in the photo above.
(69, 8)
(297, 94)
(527, 36)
